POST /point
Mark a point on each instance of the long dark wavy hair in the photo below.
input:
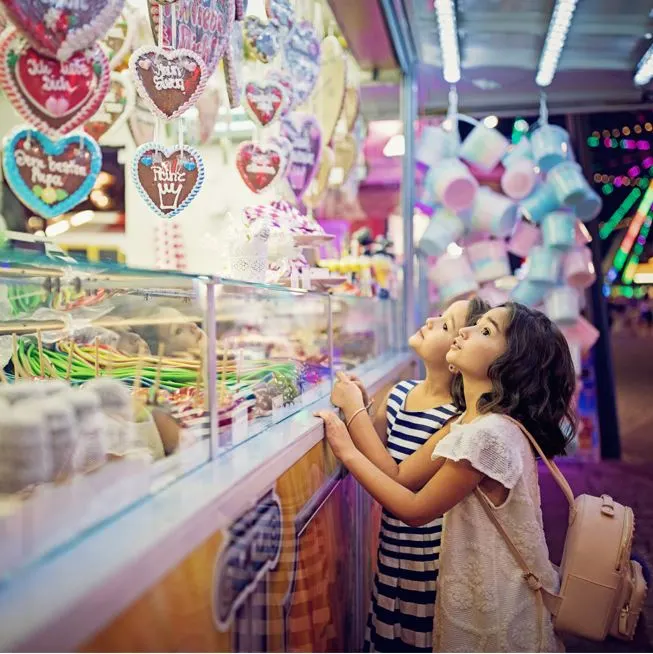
(534, 381)
(477, 307)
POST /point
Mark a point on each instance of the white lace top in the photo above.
(483, 603)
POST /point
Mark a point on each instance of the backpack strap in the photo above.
(549, 599)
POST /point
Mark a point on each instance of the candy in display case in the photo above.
(116, 382)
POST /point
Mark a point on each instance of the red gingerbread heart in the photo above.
(259, 165)
(264, 103)
(54, 96)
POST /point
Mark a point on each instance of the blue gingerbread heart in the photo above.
(50, 177)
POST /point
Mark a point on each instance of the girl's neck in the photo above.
(474, 390)
(437, 385)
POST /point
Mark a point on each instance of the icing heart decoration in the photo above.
(116, 108)
(263, 39)
(118, 40)
(279, 77)
(170, 81)
(50, 177)
(259, 165)
(203, 26)
(59, 29)
(301, 51)
(303, 132)
(54, 96)
(168, 179)
(327, 99)
(264, 102)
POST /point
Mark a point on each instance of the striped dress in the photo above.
(403, 596)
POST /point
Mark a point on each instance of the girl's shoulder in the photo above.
(495, 424)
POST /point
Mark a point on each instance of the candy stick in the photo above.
(69, 363)
(157, 378)
(39, 340)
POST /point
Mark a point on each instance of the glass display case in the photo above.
(116, 382)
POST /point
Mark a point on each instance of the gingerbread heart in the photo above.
(116, 108)
(303, 131)
(301, 51)
(203, 26)
(279, 77)
(170, 81)
(313, 195)
(259, 165)
(58, 29)
(118, 40)
(54, 96)
(263, 39)
(50, 177)
(168, 179)
(327, 99)
(264, 102)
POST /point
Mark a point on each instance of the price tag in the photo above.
(240, 425)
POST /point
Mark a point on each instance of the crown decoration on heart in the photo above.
(303, 132)
(119, 39)
(54, 96)
(203, 26)
(59, 29)
(327, 99)
(168, 179)
(170, 81)
(301, 52)
(50, 177)
(279, 77)
(264, 102)
(115, 110)
(259, 165)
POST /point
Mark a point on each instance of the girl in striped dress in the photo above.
(403, 595)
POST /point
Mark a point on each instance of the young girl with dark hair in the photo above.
(515, 364)
(403, 594)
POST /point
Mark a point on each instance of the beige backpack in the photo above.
(602, 590)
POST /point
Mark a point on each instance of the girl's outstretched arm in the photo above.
(448, 486)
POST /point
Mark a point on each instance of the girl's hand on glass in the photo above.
(337, 434)
(346, 395)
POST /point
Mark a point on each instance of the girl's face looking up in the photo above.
(432, 341)
(476, 348)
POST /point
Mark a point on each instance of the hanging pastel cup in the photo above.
(582, 332)
(578, 268)
(521, 150)
(484, 147)
(493, 213)
(454, 277)
(436, 144)
(492, 295)
(443, 228)
(528, 293)
(518, 179)
(562, 306)
(455, 186)
(544, 265)
(550, 145)
(489, 260)
(427, 200)
(583, 237)
(573, 190)
(524, 237)
(559, 230)
(539, 203)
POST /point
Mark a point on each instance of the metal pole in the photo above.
(603, 369)
(408, 118)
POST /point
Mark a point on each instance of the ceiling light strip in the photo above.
(555, 41)
(446, 14)
(644, 71)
